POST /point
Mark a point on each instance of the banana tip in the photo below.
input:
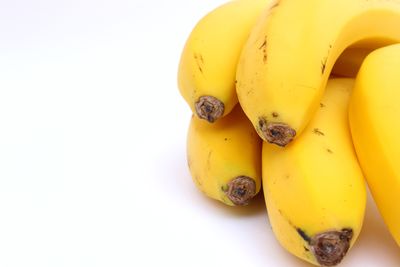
(277, 133)
(329, 248)
(209, 108)
(241, 190)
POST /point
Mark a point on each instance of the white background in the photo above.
(92, 146)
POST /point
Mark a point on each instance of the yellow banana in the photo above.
(314, 188)
(289, 55)
(224, 158)
(206, 74)
(374, 114)
(349, 62)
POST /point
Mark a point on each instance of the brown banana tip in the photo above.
(241, 190)
(209, 108)
(329, 248)
(277, 133)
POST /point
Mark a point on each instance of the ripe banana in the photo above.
(289, 55)
(224, 158)
(206, 74)
(374, 114)
(314, 188)
(349, 62)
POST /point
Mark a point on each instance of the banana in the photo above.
(314, 188)
(286, 61)
(207, 68)
(349, 62)
(224, 158)
(374, 114)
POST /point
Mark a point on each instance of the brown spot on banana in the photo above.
(303, 235)
(274, 4)
(264, 44)
(199, 61)
(263, 47)
(318, 132)
(323, 66)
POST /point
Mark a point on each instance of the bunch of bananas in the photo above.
(300, 98)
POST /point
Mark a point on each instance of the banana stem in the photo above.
(241, 190)
(329, 248)
(209, 108)
(277, 133)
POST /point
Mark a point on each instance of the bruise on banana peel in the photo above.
(209, 108)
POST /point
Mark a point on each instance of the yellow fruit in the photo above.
(289, 55)
(206, 74)
(374, 114)
(314, 188)
(224, 158)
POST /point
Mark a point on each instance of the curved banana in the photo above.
(314, 188)
(349, 62)
(224, 158)
(206, 74)
(374, 114)
(289, 55)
